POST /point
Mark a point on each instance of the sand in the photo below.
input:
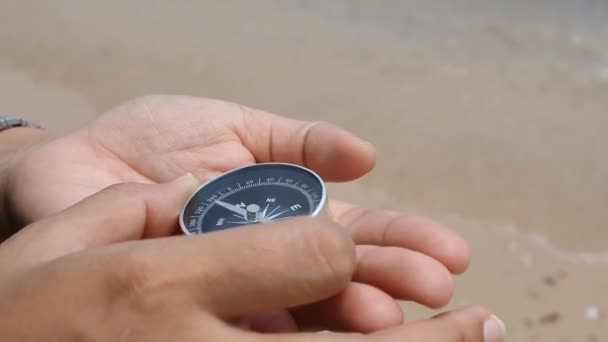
(490, 116)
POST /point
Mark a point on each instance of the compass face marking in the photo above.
(255, 194)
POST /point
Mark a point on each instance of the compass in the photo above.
(254, 194)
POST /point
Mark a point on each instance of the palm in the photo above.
(151, 140)
(157, 139)
(129, 144)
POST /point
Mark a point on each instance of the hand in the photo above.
(84, 275)
(14, 143)
(156, 139)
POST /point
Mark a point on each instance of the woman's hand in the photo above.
(85, 274)
(156, 139)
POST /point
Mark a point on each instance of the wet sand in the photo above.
(489, 116)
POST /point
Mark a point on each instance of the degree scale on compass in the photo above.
(255, 194)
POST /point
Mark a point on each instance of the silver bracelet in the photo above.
(7, 122)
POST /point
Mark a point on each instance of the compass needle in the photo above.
(239, 222)
(273, 210)
(265, 210)
(235, 199)
(237, 209)
(270, 218)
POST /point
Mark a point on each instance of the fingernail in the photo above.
(493, 329)
(187, 182)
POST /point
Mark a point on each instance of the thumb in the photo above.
(118, 213)
(239, 272)
(283, 265)
(334, 153)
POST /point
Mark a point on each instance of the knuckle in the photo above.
(468, 324)
(355, 214)
(132, 277)
(333, 250)
(123, 189)
(461, 335)
(126, 195)
(452, 330)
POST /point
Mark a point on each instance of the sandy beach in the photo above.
(490, 116)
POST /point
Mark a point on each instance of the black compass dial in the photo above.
(254, 194)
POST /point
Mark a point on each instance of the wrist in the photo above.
(15, 144)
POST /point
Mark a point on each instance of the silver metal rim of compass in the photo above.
(319, 210)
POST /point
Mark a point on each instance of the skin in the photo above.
(14, 144)
(73, 279)
(156, 139)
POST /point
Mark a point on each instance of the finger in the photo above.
(386, 228)
(405, 274)
(119, 213)
(334, 153)
(239, 272)
(359, 308)
(474, 324)
(382, 273)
